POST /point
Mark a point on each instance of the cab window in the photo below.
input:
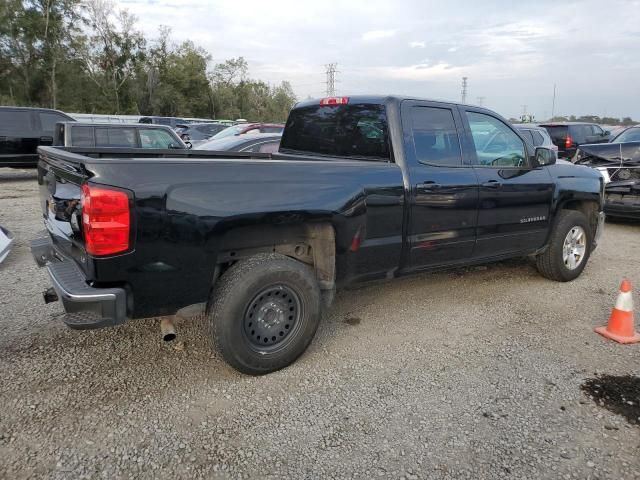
(116, 137)
(496, 145)
(156, 138)
(435, 138)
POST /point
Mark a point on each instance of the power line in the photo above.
(464, 89)
(331, 70)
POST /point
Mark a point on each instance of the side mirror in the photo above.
(545, 156)
(606, 133)
(189, 145)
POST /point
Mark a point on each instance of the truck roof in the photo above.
(379, 99)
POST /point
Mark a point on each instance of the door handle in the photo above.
(492, 184)
(430, 185)
(46, 139)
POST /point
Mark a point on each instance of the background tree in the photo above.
(87, 56)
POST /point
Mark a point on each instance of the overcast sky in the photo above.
(513, 52)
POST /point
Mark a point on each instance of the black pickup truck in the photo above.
(363, 188)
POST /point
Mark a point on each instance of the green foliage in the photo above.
(87, 56)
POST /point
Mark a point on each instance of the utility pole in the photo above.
(331, 70)
(553, 103)
(464, 89)
(480, 101)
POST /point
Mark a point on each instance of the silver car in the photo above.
(536, 136)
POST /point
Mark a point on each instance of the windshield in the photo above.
(229, 131)
(221, 144)
(359, 130)
(629, 135)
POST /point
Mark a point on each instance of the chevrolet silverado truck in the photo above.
(362, 188)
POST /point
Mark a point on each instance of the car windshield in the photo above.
(629, 135)
(359, 130)
(221, 144)
(228, 132)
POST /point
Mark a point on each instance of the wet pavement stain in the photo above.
(352, 320)
(618, 394)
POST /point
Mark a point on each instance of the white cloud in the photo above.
(374, 35)
(512, 54)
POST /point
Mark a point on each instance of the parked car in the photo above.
(629, 134)
(537, 136)
(250, 129)
(135, 135)
(568, 136)
(199, 132)
(619, 164)
(6, 239)
(363, 188)
(261, 143)
(22, 130)
(172, 122)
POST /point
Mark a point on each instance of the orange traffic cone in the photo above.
(621, 327)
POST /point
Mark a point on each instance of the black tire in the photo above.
(550, 263)
(235, 299)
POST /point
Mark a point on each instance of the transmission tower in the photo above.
(464, 89)
(480, 101)
(331, 70)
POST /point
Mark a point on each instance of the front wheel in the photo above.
(265, 313)
(569, 247)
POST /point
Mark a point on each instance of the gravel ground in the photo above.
(474, 373)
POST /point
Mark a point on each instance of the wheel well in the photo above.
(310, 243)
(587, 207)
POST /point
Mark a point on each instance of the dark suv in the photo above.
(568, 136)
(22, 130)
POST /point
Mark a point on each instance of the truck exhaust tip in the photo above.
(167, 329)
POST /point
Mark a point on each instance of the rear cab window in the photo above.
(358, 131)
(116, 137)
(82, 136)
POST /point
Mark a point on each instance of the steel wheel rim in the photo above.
(272, 318)
(574, 248)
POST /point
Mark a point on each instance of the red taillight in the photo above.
(568, 142)
(105, 220)
(334, 101)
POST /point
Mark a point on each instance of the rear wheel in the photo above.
(265, 313)
(569, 247)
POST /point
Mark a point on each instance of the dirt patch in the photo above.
(352, 321)
(618, 394)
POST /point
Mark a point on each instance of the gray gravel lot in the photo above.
(474, 373)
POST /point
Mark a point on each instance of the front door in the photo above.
(444, 190)
(515, 196)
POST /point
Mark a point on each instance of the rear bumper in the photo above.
(86, 307)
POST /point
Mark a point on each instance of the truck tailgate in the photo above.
(60, 192)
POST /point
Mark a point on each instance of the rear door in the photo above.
(47, 125)
(514, 197)
(18, 137)
(444, 190)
